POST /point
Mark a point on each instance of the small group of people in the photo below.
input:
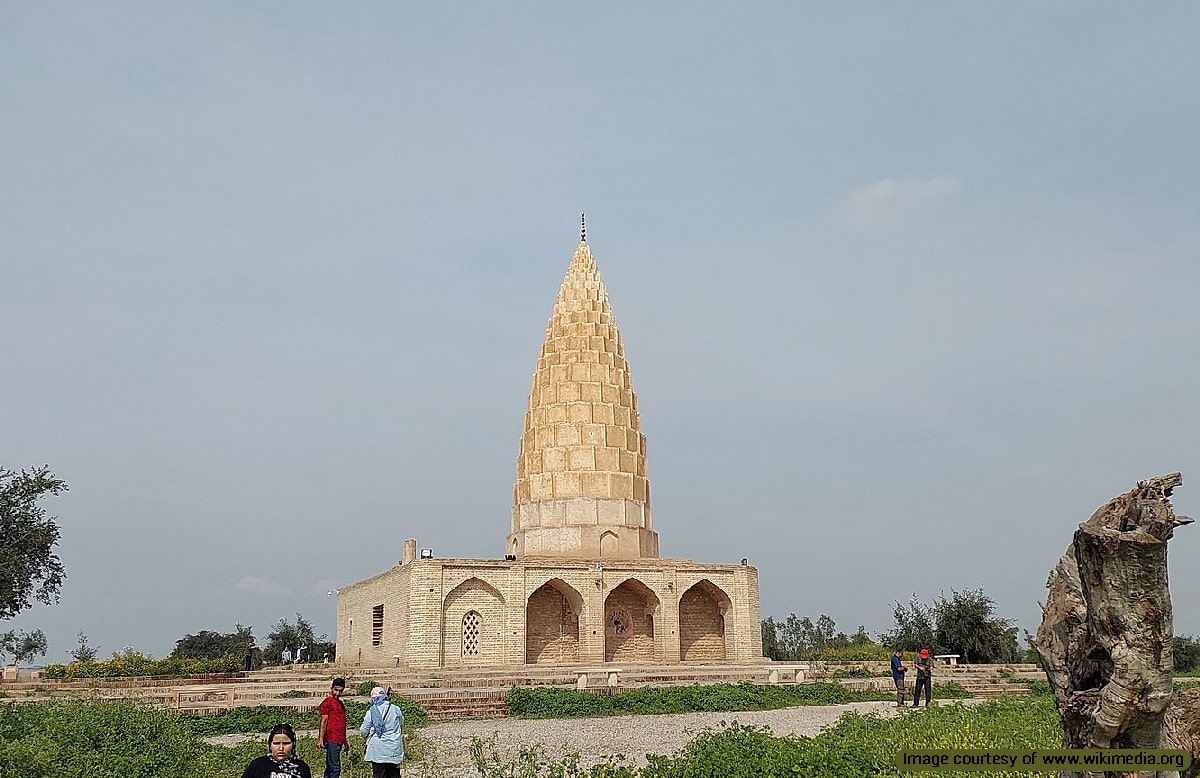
(924, 667)
(381, 728)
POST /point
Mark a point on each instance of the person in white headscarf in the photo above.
(381, 728)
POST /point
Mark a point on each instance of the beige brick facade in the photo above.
(583, 582)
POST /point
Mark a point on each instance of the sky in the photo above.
(907, 290)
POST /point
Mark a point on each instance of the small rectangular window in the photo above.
(377, 625)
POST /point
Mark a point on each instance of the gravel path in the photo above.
(633, 736)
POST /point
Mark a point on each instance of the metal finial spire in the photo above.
(582, 228)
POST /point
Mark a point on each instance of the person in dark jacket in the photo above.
(280, 760)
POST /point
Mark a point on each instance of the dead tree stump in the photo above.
(1105, 637)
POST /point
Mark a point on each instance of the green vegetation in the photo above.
(29, 568)
(965, 624)
(546, 703)
(1185, 651)
(124, 739)
(116, 739)
(262, 718)
(207, 644)
(131, 663)
(797, 638)
(865, 745)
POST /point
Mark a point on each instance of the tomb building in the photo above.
(580, 580)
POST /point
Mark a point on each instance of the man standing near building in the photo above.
(898, 670)
(331, 735)
(924, 679)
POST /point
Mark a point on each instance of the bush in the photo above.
(263, 717)
(864, 745)
(549, 703)
(132, 663)
(113, 739)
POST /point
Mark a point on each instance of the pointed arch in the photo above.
(629, 614)
(702, 611)
(552, 623)
(468, 640)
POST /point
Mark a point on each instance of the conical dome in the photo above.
(581, 489)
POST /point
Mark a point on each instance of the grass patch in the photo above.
(545, 703)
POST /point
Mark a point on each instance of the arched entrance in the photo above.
(702, 610)
(629, 613)
(552, 624)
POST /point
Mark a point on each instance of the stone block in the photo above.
(610, 512)
(594, 484)
(607, 459)
(568, 391)
(566, 435)
(622, 486)
(553, 460)
(580, 511)
(567, 485)
(602, 413)
(581, 458)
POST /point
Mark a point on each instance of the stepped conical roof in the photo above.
(581, 488)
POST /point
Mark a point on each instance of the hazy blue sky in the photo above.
(907, 290)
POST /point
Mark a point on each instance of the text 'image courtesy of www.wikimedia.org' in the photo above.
(965, 760)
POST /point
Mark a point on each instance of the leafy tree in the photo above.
(770, 639)
(964, 623)
(289, 635)
(967, 625)
(206, 644)
(801, 638)
(85, 652)
(1185, 650)
(29, 568)
(914, 626)
(23, 646)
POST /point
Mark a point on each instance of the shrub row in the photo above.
(262, 718)
(137, 664)
(545, 703)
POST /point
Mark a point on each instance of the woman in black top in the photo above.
(280, 761)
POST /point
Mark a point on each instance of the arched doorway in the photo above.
(629, 613)
(552, 624)
(702, 610)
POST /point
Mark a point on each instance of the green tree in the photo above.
(207, 644)
(84, 652)
(913, 628)
(967, 625)
(1185, 650)
(23, 646)
(770, 639)
(289, 635)
(29, 568)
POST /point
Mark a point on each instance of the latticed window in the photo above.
(377, 625)
(471, 624)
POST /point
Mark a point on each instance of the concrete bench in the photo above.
(948, 659)
(793, 673)
(613, 676)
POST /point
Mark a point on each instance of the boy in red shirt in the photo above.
(332, 733)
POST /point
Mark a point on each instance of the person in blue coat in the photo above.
(381, 728)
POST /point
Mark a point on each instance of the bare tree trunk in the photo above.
(1105, 637)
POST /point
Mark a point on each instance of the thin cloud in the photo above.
(889, 198)
(324, 586)
(262, 586)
